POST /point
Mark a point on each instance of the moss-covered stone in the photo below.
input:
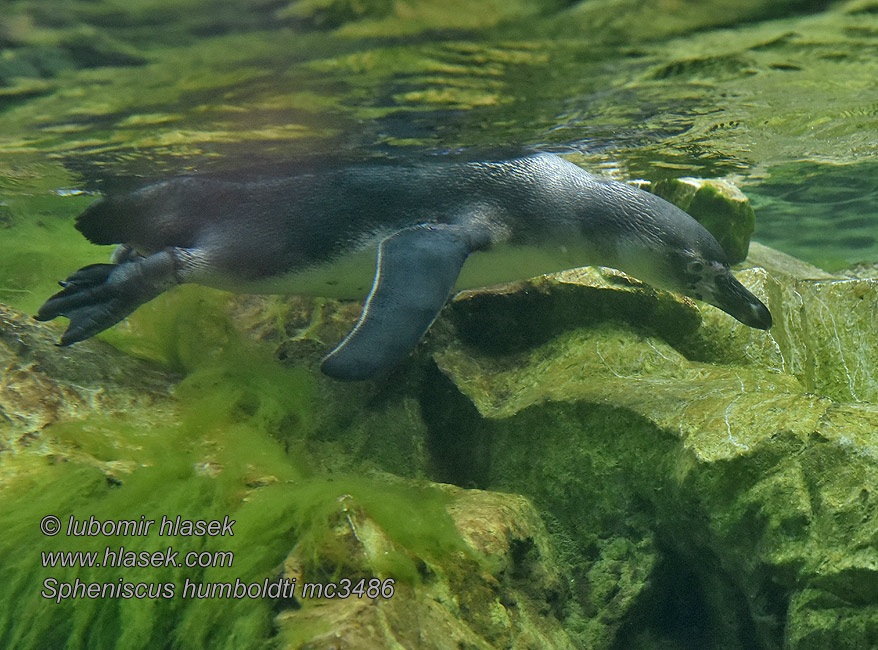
(817, 337)
(500, 589)
(563, 301)
(743, 458)
(718, 205)
(43, 385)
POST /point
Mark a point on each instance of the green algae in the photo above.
(198, 472)
(202, 471)
(35, 253)
(81, 492)
(415, 518)
(202, 467)
(183, 329)
(237, 447)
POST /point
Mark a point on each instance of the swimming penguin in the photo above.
(434, 227)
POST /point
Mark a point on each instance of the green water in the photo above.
(781, 96)
(822, 213)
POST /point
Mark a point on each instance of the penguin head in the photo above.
(705, 275)
(671, 250)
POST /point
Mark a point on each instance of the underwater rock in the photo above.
(863, 270)
(500, 589)
(818, 336)
(102, 435)
(725, 475)
(718, 205)
(560, 302)
(43, 384)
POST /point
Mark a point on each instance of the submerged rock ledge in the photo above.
(745, 459)
(702, 483)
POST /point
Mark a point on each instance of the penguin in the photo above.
(433, 227)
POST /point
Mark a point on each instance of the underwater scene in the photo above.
(438, 325)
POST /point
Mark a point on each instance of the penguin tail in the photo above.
(100, 295)
(104, 222)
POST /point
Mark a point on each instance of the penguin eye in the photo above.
(695, 267)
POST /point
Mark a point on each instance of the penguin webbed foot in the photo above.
(98, 296)
(90, 300)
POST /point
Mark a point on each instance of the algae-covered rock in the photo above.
(718, 205)
(498, 587)
(742, 458)
(42, 384)
(818, 332)
(563, 301)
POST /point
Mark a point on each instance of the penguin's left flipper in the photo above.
(416, 271)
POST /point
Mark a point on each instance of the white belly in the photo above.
(352, 277)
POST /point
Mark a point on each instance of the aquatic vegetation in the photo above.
(183, 330)
(205, 466)
(164, 480)
(36, 244)
(236, 449)
(415, 518)
(196, 472)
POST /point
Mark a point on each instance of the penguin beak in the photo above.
(733, 298)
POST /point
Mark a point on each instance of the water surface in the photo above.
(100, 95)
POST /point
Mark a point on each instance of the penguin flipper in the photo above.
(416, 271)
(100, 295)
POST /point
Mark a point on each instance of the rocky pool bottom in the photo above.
(574, 461)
